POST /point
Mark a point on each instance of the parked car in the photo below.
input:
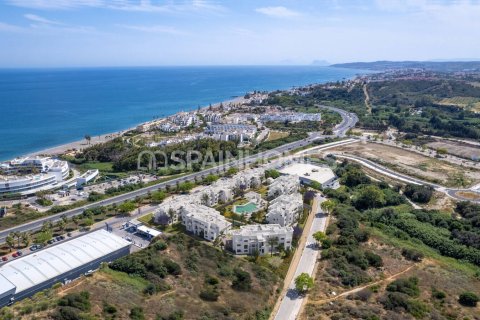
(59, 238)
(128, 239)
(14, 255)
(36, 247)
(51, 241)
(4, 258)
(19, 253)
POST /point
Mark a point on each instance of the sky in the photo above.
(81, 33)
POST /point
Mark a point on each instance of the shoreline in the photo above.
(79, 145)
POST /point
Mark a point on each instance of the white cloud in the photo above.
(278, 12)
(155, 29)
(38, 19)
(5, 27)
(55, 4)
(125, 5)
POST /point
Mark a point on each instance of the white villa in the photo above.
(285, 209)
(203, 221)
(261, 238)
(287, 184)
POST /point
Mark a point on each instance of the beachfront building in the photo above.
(261, 239)
(309, 173)
(231, 132)
(285, 209)
(87, 177)
(31, 174)
(184, 119)
(204, 221)
(286, 184)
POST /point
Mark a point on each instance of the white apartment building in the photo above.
(168, 211)
(31, 174)
(286, 184)
(285, 209)
(203, 221)
(261, 238)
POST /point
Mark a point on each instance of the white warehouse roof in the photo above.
(309, 172)
(36, 268)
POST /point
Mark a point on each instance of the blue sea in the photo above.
(42, 108)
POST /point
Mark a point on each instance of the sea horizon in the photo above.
(46, 107)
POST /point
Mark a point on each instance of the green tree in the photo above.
(319, 236)
(126, 207)
(211, 178)
(44, 236)
(26, 239)
(158, 196)
(303, 283)
(328, 206)
(185, 186)
(370, 197)
(10, 241)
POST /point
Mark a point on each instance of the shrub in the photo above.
(209, 294)
(242, 280)
(374, 260)
(412, 254)
(437, 294)
(173, 268)
(79, 301)
(160, 245)
(136, 313)
(468, 299)
(407, 286)
(419, 193)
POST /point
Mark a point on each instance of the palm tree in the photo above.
(10, 241)
(328, 206)
(88, 138)
(75, 220)
(17, 236)
(26, 239)
(272, 243)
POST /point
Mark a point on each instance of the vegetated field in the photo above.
(274, 135)
(198, 268)
(414, 164)
(463, 150)
(465, 102)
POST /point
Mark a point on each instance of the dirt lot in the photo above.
(414, 164)
(458, 149)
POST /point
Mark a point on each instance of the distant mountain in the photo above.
(320, 63)
(443, 66)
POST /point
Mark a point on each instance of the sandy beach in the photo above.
(83, 143)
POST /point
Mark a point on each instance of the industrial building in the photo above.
(62, 263)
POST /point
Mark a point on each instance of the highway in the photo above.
(348, 121)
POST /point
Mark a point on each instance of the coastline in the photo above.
(79, 145)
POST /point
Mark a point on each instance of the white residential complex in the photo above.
(287, 184)
(285, 209)
(31, 174)
(231, 132)
(203, 221)
(291, 117)
(261, 238)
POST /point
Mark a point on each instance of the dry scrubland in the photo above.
(462, 150)
(414, 164)
(365, 301)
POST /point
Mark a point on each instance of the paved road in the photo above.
(452, 192)
(292, 301)
(348, 121)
